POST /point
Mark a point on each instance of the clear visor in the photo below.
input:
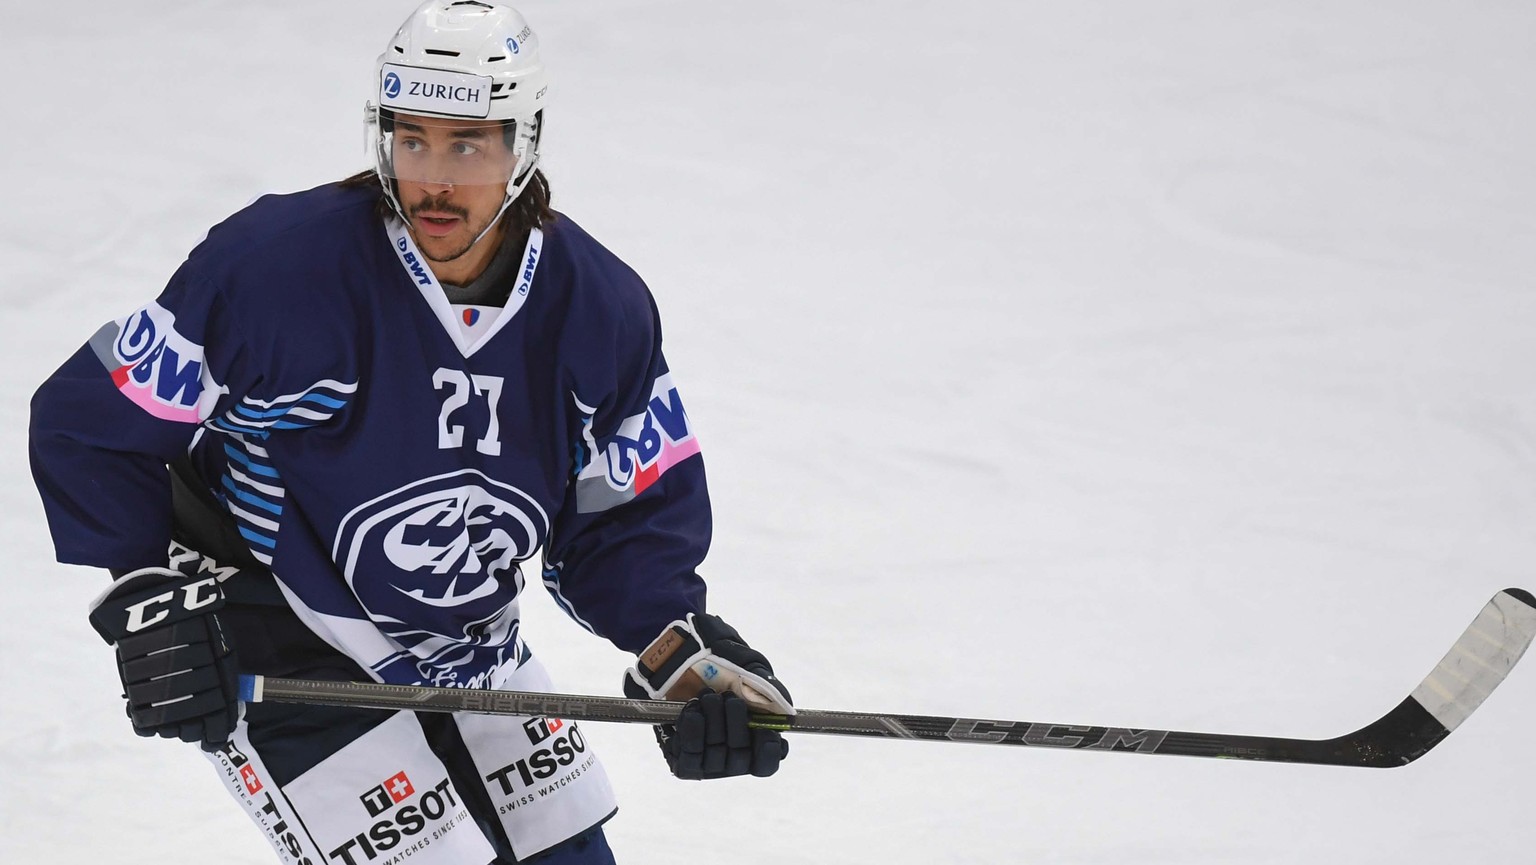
(420, 149)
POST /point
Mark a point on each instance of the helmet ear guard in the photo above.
(524, 143)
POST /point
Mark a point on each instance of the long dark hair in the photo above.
(530, 210)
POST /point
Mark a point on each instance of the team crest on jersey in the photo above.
(162, 371)
(435, 566)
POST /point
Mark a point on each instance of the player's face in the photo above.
(452, 177)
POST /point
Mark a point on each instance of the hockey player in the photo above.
(350, 417)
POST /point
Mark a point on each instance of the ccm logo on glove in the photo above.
(156, 609)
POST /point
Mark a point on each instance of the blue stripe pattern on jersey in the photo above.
(312, 406)
(251, 488)
(253, 494)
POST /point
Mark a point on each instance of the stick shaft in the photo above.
(367, 695)
(1479, 660)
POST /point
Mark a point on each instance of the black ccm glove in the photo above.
(177, 672)
(704, 661)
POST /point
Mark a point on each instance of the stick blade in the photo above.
(1481, 658)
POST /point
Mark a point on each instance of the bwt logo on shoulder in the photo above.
(154, 356)
(642, 438)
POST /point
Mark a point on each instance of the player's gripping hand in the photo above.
(704, 661)
(177, 671)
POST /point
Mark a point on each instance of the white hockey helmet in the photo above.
(463, 60)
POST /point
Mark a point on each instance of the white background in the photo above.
(1160, 364)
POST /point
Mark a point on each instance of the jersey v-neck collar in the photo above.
(420, 274)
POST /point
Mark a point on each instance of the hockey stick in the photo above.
(1476, 664)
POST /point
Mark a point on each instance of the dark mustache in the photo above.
(439, 205)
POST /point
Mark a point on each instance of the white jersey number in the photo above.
(461, 388)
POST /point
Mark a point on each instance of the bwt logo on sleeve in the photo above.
(162, 371)
(646, 445)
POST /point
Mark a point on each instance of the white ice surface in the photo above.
(1164, 364)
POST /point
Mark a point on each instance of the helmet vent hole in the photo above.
(495, 59)
(441, 52)
(399, 50)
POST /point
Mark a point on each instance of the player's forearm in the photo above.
(108, 503)
(629, 571)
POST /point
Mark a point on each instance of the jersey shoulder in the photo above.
(605, 325)
(589, 275)
(279, 232)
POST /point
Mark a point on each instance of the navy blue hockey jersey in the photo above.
(390, 458)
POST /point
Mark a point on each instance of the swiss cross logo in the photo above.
(539, 729)
(251, 780)
(399, 787)
(396, 789)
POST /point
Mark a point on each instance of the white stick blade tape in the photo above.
(1479, 661)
